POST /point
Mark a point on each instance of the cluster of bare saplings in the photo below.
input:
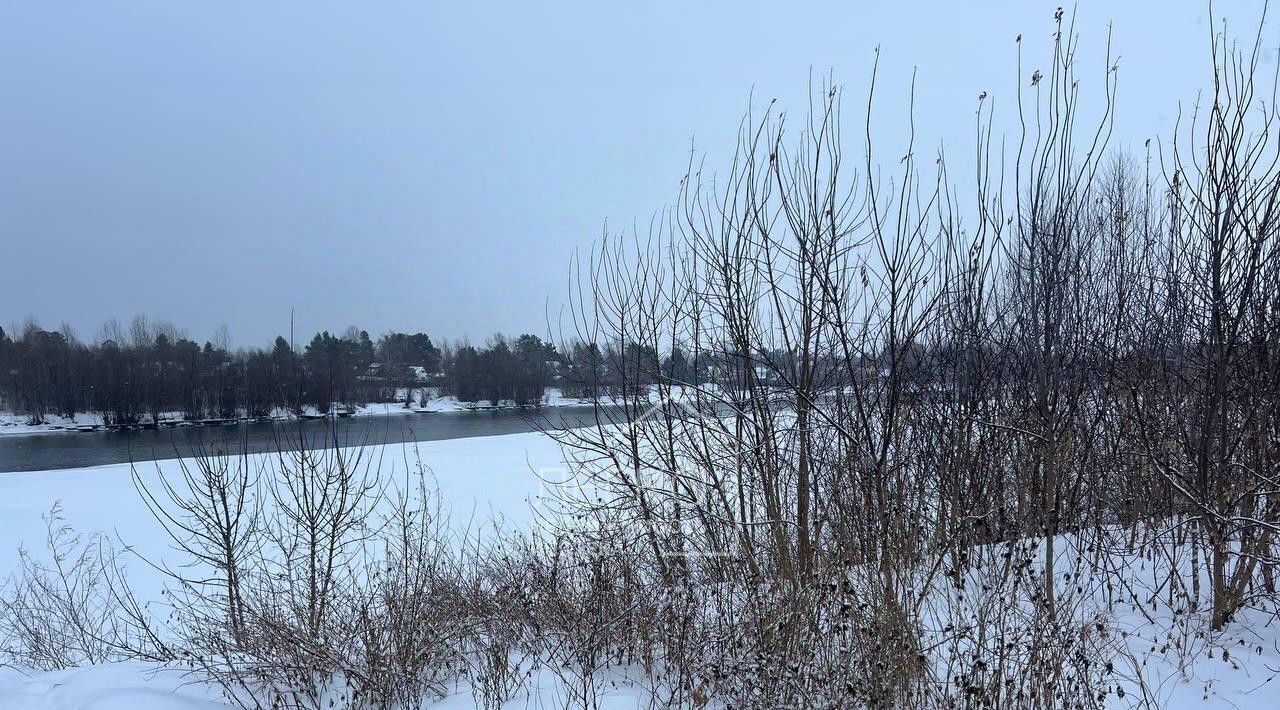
(946, 443)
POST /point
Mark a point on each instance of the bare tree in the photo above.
(1206, 416)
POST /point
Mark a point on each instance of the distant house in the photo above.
(416, 374)
(724, 371)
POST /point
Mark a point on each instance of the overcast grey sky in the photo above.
(420, 166)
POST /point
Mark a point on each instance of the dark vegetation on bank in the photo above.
(154, 371)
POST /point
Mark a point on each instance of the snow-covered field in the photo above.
(486, 479)
(480, 478)
(114, 686)
(143, 686)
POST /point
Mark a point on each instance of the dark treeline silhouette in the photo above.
(155, 370)
(151, 372)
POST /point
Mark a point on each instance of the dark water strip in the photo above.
(44, 452)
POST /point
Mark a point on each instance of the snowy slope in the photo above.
(486, 478)
(115, 686)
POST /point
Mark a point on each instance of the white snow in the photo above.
(421, 399)
(146, 686)
(12, 424)
(486, 479)
(479, 478)
(112, 686)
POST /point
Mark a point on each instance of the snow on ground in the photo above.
(427, 399)
(112, 686)
(486, 479)
(145, 686)
(1150, 633)
(479, 478)
(1185, 667)
(11, 424)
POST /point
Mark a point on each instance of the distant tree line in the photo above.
(148, 371)
(136, 375)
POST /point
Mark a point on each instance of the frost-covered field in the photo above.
(487, 479)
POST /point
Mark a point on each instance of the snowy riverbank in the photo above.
(18, 424)
(490, 481)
